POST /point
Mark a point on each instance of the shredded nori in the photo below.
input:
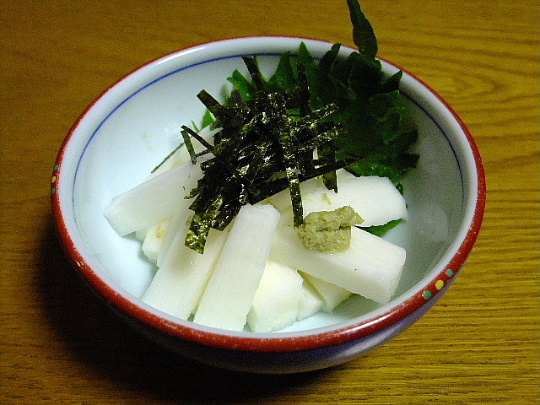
(189, 146)
(260, 150)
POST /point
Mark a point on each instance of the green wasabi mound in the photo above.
(329, 231)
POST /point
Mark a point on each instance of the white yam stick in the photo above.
(370, 267)
(310, 302)
(154, 239)
(154, 200)
(277, 299)
(229, 295)
(331, 294)
(177, 287)
(175, 236)
(375, 199)
(282, 200)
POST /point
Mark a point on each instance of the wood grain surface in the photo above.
(59, 345)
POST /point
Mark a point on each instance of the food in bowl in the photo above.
(287, 181)
(127, 131)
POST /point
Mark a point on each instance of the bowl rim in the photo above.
(274, 342)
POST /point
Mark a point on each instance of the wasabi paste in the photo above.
(329, 231)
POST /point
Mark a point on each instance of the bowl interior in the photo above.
(130, 129)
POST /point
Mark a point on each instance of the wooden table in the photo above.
(59, 345)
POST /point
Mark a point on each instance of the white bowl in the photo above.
(135, 123)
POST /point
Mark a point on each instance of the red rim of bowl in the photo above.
(271, 342)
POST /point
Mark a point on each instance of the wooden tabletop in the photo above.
(58, 343)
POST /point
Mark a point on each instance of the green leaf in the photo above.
(380, 230)
(305, 59)
(387, 110)
(363, 33)
(243, 85)
(208, 119)
(391, 83)
(284, 77)
(323, 91)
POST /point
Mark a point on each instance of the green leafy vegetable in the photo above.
(380, 230)
(310, 118)
(363, 33)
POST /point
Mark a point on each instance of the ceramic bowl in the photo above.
(135, 123)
